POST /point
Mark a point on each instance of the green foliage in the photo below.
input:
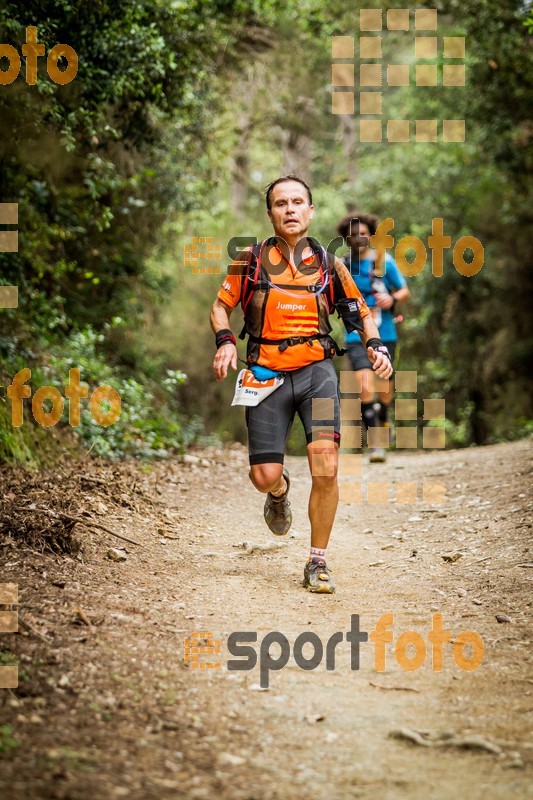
(150, 422)
(175, 106)
(469, 339)
(15, 443)
(98, 167)
(92, 164)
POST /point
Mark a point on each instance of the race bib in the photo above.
(250, 392)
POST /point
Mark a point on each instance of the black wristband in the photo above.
(379, 347)
(224, 336)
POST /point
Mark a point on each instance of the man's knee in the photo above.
(324, 466)
(385, 397)
(265, 477)
(325, 483)
(367, 385)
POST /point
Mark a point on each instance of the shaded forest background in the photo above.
(179, 116)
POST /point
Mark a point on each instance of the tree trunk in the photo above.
(241, 162)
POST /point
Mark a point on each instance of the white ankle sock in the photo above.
(317, 552)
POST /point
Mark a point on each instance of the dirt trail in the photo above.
(113, 710)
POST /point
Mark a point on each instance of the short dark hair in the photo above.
(370, 220)
(268, 192)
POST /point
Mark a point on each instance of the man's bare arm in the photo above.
(402, 294)
(226, 355)
(380, 363)
(370, 329)
(220, 314)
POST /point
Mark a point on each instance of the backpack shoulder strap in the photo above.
(331, 280)
(250, 273)
(326, 263)
(342, 279)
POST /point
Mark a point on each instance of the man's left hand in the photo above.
(384, 300)
(381, 364)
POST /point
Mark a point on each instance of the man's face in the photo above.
(359, 238)
(290, 212)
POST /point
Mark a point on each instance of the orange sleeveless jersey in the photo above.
(291, 313)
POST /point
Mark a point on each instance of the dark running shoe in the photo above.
(317, 577)
(278, 514)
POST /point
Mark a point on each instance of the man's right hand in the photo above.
(226, 356)
(381, 363)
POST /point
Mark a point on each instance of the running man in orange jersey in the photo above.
(288, 286)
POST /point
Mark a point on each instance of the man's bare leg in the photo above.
(273, 480)
(385, 398)
(268, 478)
(323, 502)
(370, 418)
(368, 391)
(324, 498)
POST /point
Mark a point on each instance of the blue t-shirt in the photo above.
(393, 280)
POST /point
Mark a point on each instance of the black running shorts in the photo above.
(269, 423)
(358, 357)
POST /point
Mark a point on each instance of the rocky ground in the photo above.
(108, 705)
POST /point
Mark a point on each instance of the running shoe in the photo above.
(377, 455)
(278, 514)
(317, 577)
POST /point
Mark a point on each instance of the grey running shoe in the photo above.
(377, 455)
(278, 514)
(317, 577)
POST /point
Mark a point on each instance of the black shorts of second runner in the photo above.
(358, 357)
(269, 422)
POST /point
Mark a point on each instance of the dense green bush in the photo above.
(150, 422)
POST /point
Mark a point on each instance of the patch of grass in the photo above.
(76, 760)
(32, 446)
(15, 443)
(170, 697)
(73, 760)
(7, 740)
(8, 658)
(24, 676)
